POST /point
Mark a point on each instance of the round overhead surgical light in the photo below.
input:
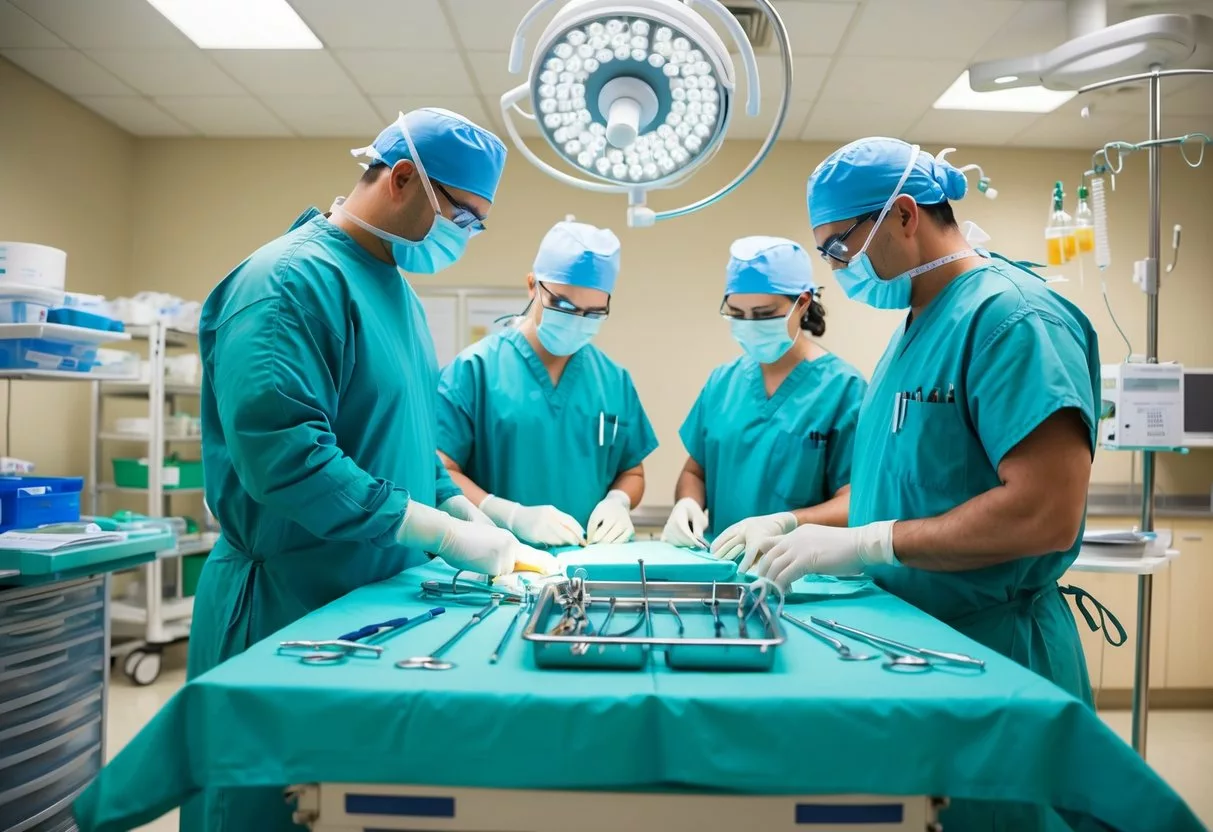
(637, 94)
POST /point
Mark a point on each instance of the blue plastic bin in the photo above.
(88, 320)
(29, 502)
(41, 354)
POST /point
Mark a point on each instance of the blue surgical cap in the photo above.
(861, 176)
(577, 254)
(453, 150)
(768, 266)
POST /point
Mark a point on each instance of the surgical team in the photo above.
(336, 454)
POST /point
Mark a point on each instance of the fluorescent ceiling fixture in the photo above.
(960, 96)
(239, 24)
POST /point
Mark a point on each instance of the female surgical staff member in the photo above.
(770, 436)
(535, 424)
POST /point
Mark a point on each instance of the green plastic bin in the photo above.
(191, 570)
(178, 473)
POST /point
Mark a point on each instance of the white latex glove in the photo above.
(743, 537)
(611, 519)
(686, 525)
(475, 547)
(462, 508)
(541, 525)
(826, 550)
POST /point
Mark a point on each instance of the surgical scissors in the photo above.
(332, 651)
(844, 652)
(434, 661)
(881, 641)
(467, 591)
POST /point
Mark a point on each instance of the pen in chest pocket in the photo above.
(602, 420)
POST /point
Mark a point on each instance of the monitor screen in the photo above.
(1198, 402)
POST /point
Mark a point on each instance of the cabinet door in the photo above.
(1190, 644)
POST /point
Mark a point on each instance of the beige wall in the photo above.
(200, 206)
(65, 181)
(176, 215)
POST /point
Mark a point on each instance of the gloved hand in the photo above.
(475, 547)
(826, 550)
(611, 519)
(464, 509)
(541, 525)
(686, 525)
(742, 537)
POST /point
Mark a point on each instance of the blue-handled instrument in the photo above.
(331, 651)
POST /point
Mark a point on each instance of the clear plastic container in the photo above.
(1060, 242)
(1084, 224)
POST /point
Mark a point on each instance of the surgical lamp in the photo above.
(637, 94)
(983, 181)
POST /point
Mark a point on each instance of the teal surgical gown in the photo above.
(1012, 353)
(518, 436)
(764, 455)
(318, 401)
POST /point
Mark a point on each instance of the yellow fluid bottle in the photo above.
(1059, 237)
(1084, 223)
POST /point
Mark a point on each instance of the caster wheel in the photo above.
(146, 670)
(132, 659)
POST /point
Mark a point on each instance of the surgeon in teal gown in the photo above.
(975, 440)
(770, 437)
(537, 425)
(318, 412)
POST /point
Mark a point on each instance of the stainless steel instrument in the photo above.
(881, 641)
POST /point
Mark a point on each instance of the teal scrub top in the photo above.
(518, 436)
(764, 455)
(1013, 352)
(318, 427)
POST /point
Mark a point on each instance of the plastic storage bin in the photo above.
(81, 318)
(29, 502)
(177, 473)
(191, 571)
(51, 347)
(30, 264)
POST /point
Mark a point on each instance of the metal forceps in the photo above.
(332, 651)
(434, 660)
(466, 591)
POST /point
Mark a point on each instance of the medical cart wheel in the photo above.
(143, 668)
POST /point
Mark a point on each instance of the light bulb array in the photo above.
(688, 118)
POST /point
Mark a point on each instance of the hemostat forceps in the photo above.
(434, 661)
(332, 651)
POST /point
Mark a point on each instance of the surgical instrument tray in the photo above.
(677, 619)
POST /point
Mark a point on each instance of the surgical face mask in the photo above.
(563, 334)
(442, 245)
(765, 341)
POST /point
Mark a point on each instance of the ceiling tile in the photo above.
(917, 83)
(20, 31)
(468, 106)
(489, 69)
(135, 115)
(167, 72)
(1065, 127)
(224, 115)
(106, 24)
(816, 28)
(399, 72)
(744, 127)
(326, 116)
(376, 24)
(285, 72)
(67, 70)
(808, 74)
(1038, 26)
(958, 127)
(859, 119)
(943, 28)
(489, 26)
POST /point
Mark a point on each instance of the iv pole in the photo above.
(1145, 583)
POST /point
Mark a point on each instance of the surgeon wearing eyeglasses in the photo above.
(975, 440)
(537, 425)
(770, 437)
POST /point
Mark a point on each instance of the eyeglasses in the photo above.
(760, 313)
(563, 304)
(835, 246)
(464, 217)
